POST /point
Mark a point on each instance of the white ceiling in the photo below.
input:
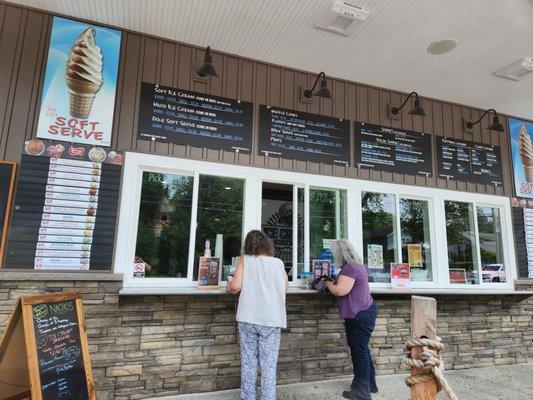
(387, 50)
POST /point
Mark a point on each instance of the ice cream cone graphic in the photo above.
(525, 149)
(84, 74)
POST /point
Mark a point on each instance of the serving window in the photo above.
(175, 211)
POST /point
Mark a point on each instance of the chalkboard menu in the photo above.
(303, 136)
(188, 118)
(392, 150)
(59, 350)
(65, 207)
(7, 182)
(463, 160)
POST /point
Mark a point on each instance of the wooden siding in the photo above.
(24, 36)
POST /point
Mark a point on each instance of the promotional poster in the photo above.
(400, 275)
(375, 256)
(414, 255)
(78, 98)
(522, 151)
(321, 268)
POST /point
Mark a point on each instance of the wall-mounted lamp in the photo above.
(416, 110)
(207, 67)
(495, 126)
(322, 91)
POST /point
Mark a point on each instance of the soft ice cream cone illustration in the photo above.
(525, 149)
(84, 74)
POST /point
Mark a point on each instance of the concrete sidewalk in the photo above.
(508, 382)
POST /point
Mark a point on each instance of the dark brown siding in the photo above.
(23, 49)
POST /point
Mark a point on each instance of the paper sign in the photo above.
(400, 275)
(414, 255)
(375, 256)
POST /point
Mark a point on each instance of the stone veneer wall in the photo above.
(143, 346)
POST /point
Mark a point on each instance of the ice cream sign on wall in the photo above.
(80, 83)
(522, 148)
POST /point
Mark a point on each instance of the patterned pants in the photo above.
(259, 345)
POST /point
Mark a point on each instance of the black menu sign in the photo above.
(392, 149)
(303, 136)
(65, 207)
(188, 118)
(59, 351)
(468, 161)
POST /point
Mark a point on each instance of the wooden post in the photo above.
(423, 324)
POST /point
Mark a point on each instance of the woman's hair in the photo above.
(258, 244)
(344, 253)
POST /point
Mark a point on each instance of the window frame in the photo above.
(136, 163)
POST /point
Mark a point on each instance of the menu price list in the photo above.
(189, 118)
(468, 161)
(59, 351)
(65, 214)
(303, 136)
(392, 150)
(528, 236)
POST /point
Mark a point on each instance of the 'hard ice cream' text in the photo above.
(76, 128)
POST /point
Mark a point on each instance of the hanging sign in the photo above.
(303, 136)
(44, 351)
(80, 82)
(467, 161)
(392, 149)
(196, 119)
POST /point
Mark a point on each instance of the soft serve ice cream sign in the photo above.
(80, 83)
(522, 147)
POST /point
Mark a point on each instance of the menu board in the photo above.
(65, 207)
(188, 118)
(392, 150)
(463, 160)
(303, 136)
(59, 351)
(522, 213)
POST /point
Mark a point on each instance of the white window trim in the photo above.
(136, 163)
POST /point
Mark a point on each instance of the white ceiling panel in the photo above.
(387, 50)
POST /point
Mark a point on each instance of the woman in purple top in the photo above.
(359, 311)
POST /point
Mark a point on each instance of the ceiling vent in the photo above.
(516, 70)
(341, 17)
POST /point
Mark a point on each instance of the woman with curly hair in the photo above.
(263, 283)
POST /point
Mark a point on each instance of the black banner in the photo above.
(303, 136)
(59, 351)
(188, 118)
(392, 150)
(467, 161)
(65, 207)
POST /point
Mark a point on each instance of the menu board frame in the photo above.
(200, 114)
(423, 168)
(471, 177)
(21, 322)
(265, 147)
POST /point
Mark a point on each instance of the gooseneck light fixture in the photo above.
(207, 68)
(416, 110)
(322, 91)
(495, 126)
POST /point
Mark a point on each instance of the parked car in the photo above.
(493, 273)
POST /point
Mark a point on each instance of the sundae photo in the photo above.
(84, 74)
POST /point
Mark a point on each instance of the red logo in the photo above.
(76, 151)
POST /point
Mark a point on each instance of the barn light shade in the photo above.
(495, 126)
(416, 110)
(322, 91)
(207, 68)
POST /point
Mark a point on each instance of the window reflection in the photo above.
(490, 244)
(163, 233)
(416, 246)
(379, 234)
(220, 217)
(460, 233)
(327, 221)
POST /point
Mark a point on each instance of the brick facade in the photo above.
(144, 346)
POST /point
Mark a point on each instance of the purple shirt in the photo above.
(359, 297)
